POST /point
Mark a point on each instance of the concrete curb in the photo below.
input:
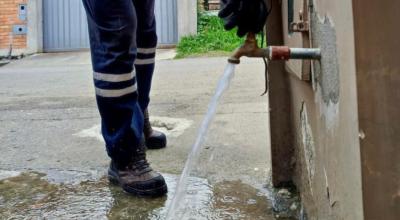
(4, 62)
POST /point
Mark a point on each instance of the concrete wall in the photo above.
(35, 26)
(187, 17)
(342, 145)
(280, 107)
(321, 146)
(378, 78)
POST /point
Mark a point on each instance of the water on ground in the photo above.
(33, 195)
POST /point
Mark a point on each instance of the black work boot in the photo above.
(154, 139)
(138, 178)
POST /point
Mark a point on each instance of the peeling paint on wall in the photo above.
(308, 145)
(326, 80)
(326, 72)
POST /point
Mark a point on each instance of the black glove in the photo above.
(247, 15)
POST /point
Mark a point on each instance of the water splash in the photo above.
(193, 157)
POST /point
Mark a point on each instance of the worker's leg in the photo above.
(112, 28)
(147, 42)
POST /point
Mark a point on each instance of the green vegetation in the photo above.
(211, 39)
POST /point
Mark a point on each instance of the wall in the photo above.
(321, 146)
(22, 44)
(279, 106)
(35, 26)
(378, 79)
(187, 17)
(8, 18)
(33, 41)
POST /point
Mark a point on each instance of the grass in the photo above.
(210, 40)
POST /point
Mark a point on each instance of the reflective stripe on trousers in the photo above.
(123, 45)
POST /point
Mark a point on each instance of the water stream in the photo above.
(193, 158)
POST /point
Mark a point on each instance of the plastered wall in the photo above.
(324, 149)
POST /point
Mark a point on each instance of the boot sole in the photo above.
(155, 192)
(155, 146)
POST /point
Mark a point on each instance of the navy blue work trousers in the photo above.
(123, 43)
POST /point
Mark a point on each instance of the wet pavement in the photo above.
(33, 195)
(53, 160)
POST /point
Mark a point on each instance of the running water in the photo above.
(193, 157)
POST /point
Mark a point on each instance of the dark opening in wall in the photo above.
(290, 14)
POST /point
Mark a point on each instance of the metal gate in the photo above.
(65, 25)
(166, 18)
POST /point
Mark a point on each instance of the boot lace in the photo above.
(140, 162)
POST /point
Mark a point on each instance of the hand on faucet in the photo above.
(246, 15)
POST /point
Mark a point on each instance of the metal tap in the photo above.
(251, 49)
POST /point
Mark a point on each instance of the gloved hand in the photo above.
(247, 15)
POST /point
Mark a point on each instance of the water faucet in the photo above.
(251, 49)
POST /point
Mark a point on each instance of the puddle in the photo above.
(32, 196)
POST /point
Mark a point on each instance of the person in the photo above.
(123, 44)
(244, 15)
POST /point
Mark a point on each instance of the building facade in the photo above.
(334, 122)
(12, 20)
(32, 26)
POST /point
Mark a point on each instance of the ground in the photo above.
(53, 158)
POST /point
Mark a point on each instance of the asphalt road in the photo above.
(49, 122)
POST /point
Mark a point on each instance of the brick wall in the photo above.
(8, 18)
